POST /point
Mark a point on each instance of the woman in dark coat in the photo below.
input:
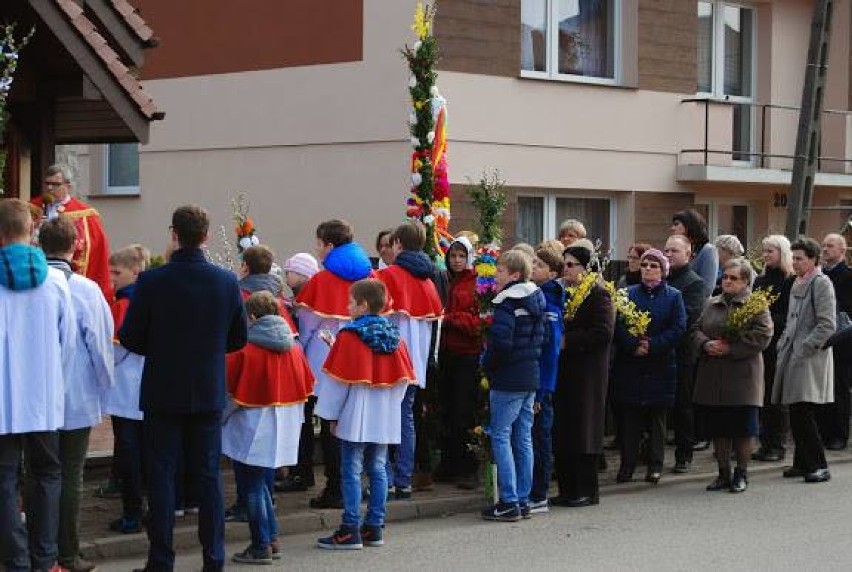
(580, 399)
(778, 275)
(645, 368)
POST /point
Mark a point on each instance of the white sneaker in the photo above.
(538, 507)
(180, 513)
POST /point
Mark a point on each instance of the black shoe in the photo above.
(327, 499)
(624, 475)
(682, 467)
(768, 455)
(721, 483)
(739, 482)
(291, 484)
(836, 445)
(580, 502)
(793, 473)
(653, 477)
(818, 476)
(701, 445)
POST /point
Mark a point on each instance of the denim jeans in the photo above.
(269, 479)
(356, 458)
(129, 451)
(261, 515)
(542, 436)
(73, 446)
(511, 442)
(33, 546)
(401, 468)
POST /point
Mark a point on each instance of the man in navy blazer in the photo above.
(184, 317)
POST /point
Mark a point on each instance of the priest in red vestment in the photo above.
(91, 253)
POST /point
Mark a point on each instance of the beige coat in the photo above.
(735, 379)
(805, 371)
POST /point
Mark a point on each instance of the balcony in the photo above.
(750, 143)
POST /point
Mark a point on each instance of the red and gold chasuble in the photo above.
(91, 253)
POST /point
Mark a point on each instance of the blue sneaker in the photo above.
(126, 525)
(502, 512)
(372, 535)
(344, 538)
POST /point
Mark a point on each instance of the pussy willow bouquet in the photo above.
(576, 295)
(742, 316)
(635, 320)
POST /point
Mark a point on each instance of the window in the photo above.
(727, 218)
(539, 218)
(570, 39)
(726, 62)
(121, 169)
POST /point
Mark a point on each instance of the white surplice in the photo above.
(37, 345)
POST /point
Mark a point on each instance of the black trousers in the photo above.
(809, 455)
(833, 418)
(635, 419)
(774, 418)
(577, 475)
(459, 387)
(683, 417)
(305, 466)
(331, 457)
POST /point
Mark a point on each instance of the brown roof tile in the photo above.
(109, 57)
(136, 23)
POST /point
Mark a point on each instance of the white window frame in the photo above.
(551, 58)
(717, 70)
(112, 190)
(550, 226)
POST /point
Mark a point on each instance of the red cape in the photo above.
(91, 253)
(282, 311)
(327, 295)
(118, 307)
(258, 377)
(416, 297)
(352, 361)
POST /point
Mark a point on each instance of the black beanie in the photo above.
(582, 254)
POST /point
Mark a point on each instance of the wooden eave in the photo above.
(100, 64)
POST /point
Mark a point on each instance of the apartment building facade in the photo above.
(616, 112)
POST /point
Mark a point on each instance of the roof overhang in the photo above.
(114, 83)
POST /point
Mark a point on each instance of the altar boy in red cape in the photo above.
(91, 252)
(370, 369)
(322, 308)
(415, 307)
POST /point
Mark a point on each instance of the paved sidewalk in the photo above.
(296, 517)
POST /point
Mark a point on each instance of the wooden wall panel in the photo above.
(668, 47)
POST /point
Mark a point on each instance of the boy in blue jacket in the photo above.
(511, 361)
(547, 268)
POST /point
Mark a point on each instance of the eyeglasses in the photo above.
(572, 264)
(650, 265)
(730, 277)
(631, 257)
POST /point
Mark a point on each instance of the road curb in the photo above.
(186, 537)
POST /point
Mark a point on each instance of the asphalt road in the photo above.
(778, 524)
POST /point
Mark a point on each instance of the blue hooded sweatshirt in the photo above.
(554, 299)
(22, 267)
(348, 261)
(416, 263)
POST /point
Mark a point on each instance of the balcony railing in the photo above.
(762, 135)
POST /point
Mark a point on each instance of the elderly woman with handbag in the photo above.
(729, 339)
